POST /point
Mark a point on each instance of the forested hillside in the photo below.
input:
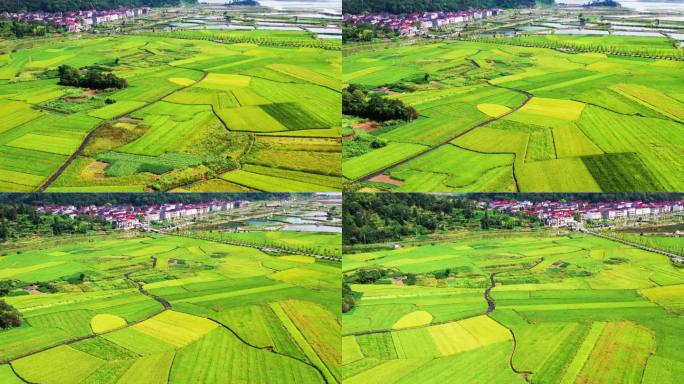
(407, 6)
(72, 5)
(371, 218)
(82, 199)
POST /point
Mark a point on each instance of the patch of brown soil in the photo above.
(78, 98)
(129, 119)
(95, 171)
(367, 126)
(91, 92)
(387, 180)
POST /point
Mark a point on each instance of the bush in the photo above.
(110, 101)
(93, 78)
(9, 316)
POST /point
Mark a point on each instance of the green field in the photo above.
(608, 123)
(568, 308)
(205, 312)
(225, 101)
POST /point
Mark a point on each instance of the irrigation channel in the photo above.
(166, 306)
(528, 97)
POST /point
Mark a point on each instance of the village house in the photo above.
(77, 21)
(128, 216)
(420, 22)
(557, 214)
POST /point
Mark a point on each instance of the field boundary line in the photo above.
(448, 141)
(376, 331)
(18, 375)
(515, 161)
(523, 374)
(628, 115)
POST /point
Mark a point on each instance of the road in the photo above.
(490, 302)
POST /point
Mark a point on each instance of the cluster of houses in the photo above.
(126, 216)
(418, 23)
(563, 214)
(77, 21)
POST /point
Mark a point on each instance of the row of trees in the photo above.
(333, 45)
(356, 101)
(90, 78)
(366, 32)
(73, 5)
(408, 6)
(576, 46)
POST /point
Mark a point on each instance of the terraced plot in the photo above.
(218, 102)
(608, 123)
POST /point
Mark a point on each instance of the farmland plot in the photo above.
(186, 95)
(587, 321)
(206, 312)
(598, 119)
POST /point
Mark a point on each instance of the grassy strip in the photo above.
(301, 342)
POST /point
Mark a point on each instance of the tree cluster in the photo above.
(9, 316)
(356, 101)
(21, 28)
(408, 6)
(365, 32)
(348, 299)
(375, 218)
(74, 5)
(602, 3)
(89, 78)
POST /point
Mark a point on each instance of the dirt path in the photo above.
(446, 142)
(90, 135)
(490, 302)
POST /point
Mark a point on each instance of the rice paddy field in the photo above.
(170, 309)
(501, 117)
(202, 112)
(564, 308)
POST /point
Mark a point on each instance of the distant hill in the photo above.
(408, 6)
(73, 5)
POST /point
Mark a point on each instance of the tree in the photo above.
(4, 231)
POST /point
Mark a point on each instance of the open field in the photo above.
(526, 113)
(167, 309)
(565, 308)
(208, 106)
